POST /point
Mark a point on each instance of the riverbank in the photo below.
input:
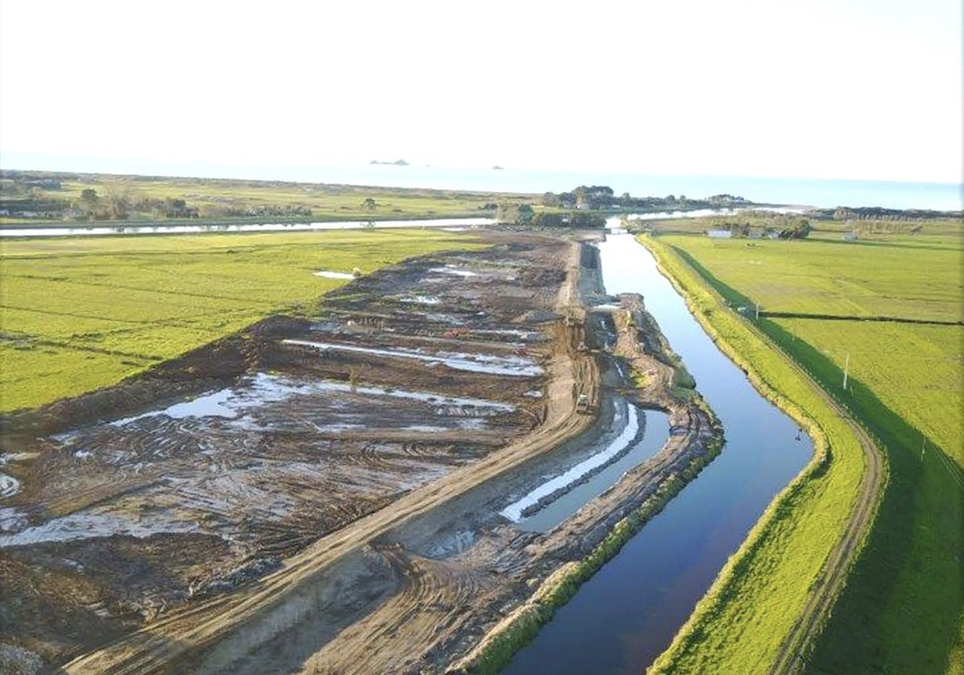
(904, 385)
(657, 372)
(782, 560)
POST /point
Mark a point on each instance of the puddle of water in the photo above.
(627, 418)
(230, 403)
(89, 525)
(9, 486)
(454, 271)
(478, 363)
(210, 405)
(427, 428)
(511, 332)
(12, 519)
(421, 299)
(334, 275)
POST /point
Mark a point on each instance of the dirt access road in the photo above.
(823, 595)
(239, 622)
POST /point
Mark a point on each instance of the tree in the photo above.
(89, 195)
(369, 204)
(118, 201)
(798, 229)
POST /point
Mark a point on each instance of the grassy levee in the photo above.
(77, 314)
(741, 623)
(901, 611)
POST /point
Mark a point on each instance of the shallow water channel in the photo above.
(636, 435)
(628, 613)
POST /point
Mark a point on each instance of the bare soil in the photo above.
(323, 496)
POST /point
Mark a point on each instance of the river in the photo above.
(445, 223)
(628, 613)
(126, 230)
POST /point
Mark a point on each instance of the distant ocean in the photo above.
(797, 191)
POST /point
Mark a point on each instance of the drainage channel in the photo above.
(627, 614)
(640, 434)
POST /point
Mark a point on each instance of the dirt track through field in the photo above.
(208, 636)
(792, 655)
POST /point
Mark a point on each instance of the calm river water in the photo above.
(84, 230)
(628, 613)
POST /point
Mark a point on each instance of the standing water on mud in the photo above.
(629, 452)
(624, 616)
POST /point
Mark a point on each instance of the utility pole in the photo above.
(758, 311)
(846, 370)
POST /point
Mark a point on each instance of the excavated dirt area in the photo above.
(349, 494)
(208, 472)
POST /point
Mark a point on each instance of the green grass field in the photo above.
(82, 313)
(901, 611)
(214, 197)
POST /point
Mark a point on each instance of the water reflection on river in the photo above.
(623, 617)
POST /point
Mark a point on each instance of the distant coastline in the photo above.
(815, 192)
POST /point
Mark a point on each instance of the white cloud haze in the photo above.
(848, 89)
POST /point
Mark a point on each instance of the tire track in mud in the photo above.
(205, 637)
(393, 638)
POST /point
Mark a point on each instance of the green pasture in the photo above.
(82, 313)
(326, 202)
(901, 611)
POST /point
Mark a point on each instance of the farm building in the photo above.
(719, 234)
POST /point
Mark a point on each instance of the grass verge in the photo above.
(742, 621)
(901, 611)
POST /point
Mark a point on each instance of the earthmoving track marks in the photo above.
(395, 637)
(251, 617)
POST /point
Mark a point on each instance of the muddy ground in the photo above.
(326, 495)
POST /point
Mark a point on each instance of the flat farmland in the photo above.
(80, 314)
(237, 200)
(888, 310)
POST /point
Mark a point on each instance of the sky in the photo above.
(860, 89)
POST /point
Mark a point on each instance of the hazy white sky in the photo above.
(815, 88)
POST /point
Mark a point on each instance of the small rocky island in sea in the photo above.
(498, 168)
(397, 162)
